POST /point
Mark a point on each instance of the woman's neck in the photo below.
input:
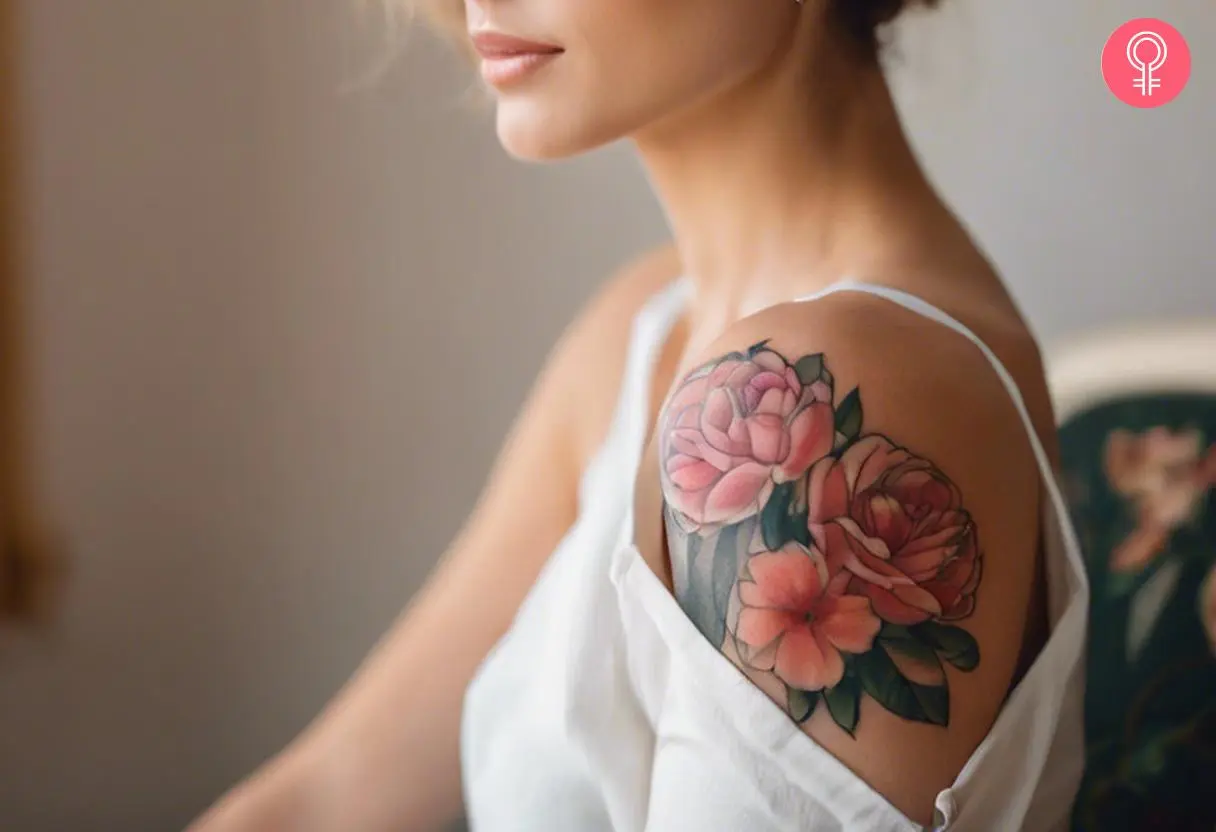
(784, 185)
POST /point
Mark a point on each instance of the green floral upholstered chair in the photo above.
(1137, 415)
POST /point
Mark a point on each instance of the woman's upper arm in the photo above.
(880, 479)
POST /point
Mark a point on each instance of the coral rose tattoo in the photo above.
(807, 549)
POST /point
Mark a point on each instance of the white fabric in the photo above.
(603, 708)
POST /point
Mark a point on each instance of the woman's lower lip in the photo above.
(499, 71)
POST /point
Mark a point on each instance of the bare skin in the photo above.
(822, 185)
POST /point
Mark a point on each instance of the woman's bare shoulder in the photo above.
(875, 463)
(589, 361)
(611, 309)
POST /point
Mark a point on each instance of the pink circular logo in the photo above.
(1146, 62)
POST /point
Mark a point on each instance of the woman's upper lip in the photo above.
(499, 45)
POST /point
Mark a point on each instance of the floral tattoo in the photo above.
(828, 558)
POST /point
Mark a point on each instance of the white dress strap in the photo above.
(629, 427)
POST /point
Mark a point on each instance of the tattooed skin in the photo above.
(827, 561)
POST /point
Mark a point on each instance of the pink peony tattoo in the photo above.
(736, 428)
(833, 560)
(897, 524)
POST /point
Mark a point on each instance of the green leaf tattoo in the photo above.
(882, 680)
(844, 702)
(848, 416)
(954, 644)
(776, 518)
(809, 368)
(802, 704)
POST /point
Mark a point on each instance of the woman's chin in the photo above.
(530, 137)
(531, 131)
(533, 147)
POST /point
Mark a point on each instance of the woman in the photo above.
(826, 585)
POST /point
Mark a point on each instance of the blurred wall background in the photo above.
(247, 280)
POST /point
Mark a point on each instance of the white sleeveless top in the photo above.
(604, 708)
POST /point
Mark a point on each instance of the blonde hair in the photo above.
(445, 17)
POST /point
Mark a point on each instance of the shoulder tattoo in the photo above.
(824, 557)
